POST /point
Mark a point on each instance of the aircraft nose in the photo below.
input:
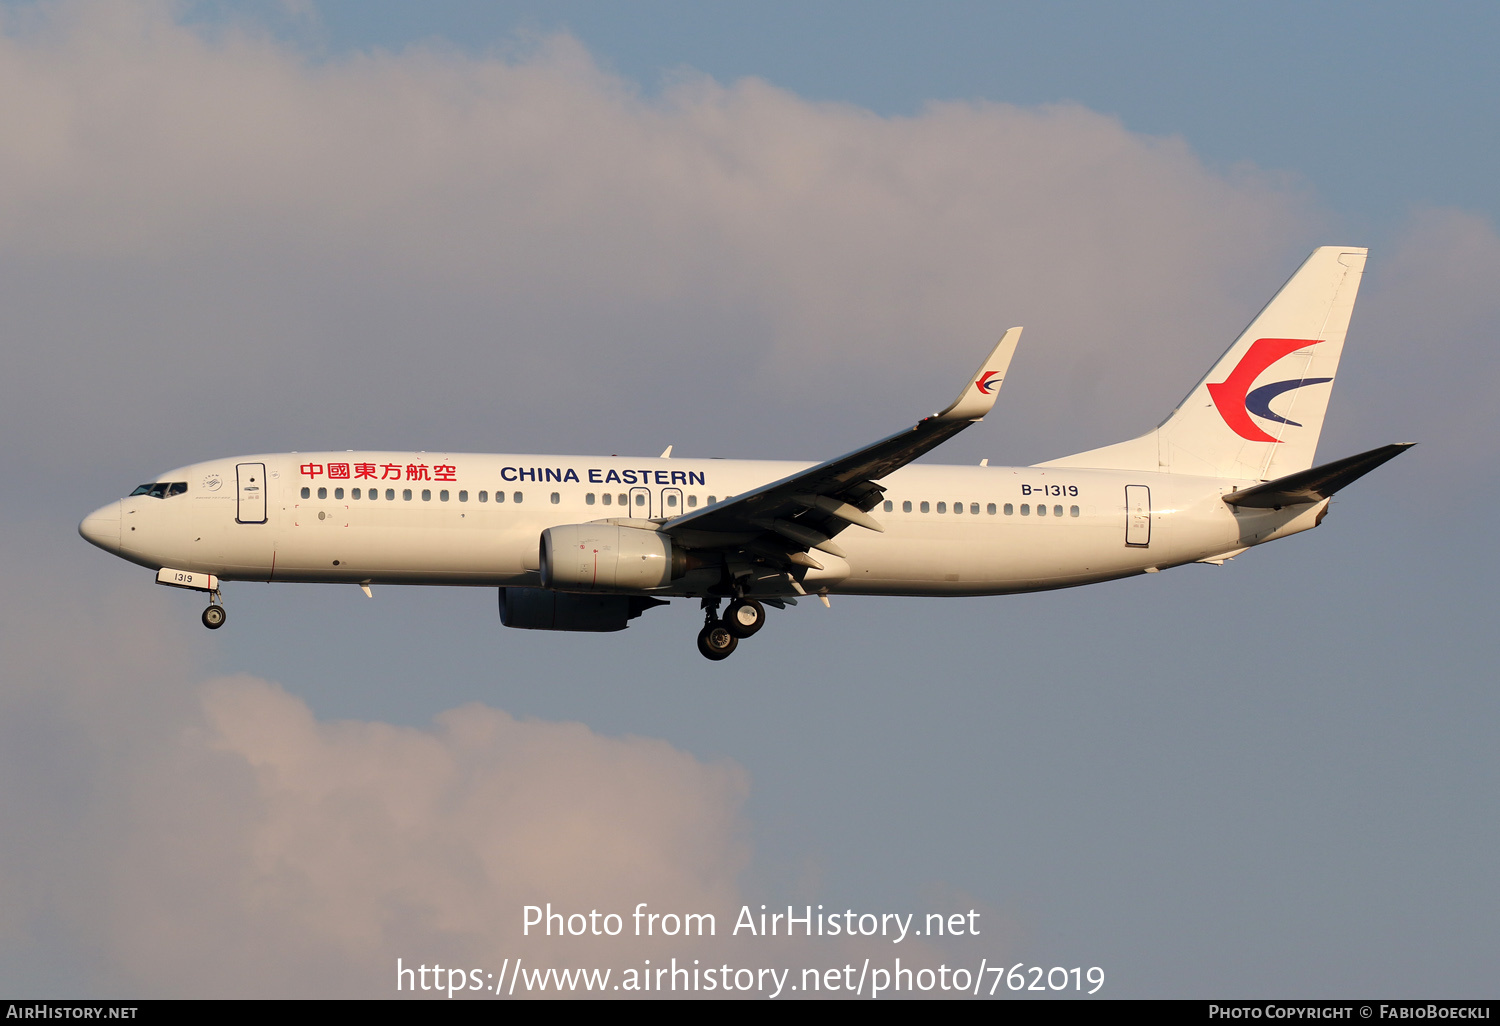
(102, 527)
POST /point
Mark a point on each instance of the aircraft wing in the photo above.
(808, 508)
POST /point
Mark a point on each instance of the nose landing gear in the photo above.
(215, 615)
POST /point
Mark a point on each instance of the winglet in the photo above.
(979, 396)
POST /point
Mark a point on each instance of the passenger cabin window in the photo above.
(1057, 511)
(322, 493)
(672, 499)
(1009, 509)
(556, 498)
(406, 494)
(390, 495)
(608, 498)
(1072, 511)
(426, 494)
(354, 494)
(443, 495)
(463, 496)
(1041, 509)
(692, 501)
(588, 500)
(990, 509)
(516, 496)
(712, 500)
(306, 492)
(974, 508)
(484, 496)
(906, 506)
(1025, 509)
(958, 507)
(926, 508)
(942, 507)
(338, 493)
(499, 496)
(890, 507)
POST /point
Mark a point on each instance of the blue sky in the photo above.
(236, 228)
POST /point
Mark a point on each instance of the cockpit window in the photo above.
(161, 489)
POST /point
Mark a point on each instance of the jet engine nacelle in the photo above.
(609, 557)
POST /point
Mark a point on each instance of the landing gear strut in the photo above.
(720, 637)
(215, 615)
(714, 640)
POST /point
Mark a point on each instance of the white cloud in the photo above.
(306, 856)
(1429, 359)
(177, 836)
(371, 236)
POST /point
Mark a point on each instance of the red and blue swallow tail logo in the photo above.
(985, 385)
(1234, 399)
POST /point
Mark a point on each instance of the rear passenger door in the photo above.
(1137, 516)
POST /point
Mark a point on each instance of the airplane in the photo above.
(582, 543)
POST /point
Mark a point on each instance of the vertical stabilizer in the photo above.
(1258, 413)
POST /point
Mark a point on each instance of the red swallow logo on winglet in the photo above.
(983, 384)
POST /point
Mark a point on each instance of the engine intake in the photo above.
(608, 558)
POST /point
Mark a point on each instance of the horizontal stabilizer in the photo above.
(1316, 484)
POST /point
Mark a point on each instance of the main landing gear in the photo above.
(719, 638)
(744, 617)
(215, 615)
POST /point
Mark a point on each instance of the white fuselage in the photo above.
(434, 519)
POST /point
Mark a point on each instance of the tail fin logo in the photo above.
(985, 385)
(1234, 399)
